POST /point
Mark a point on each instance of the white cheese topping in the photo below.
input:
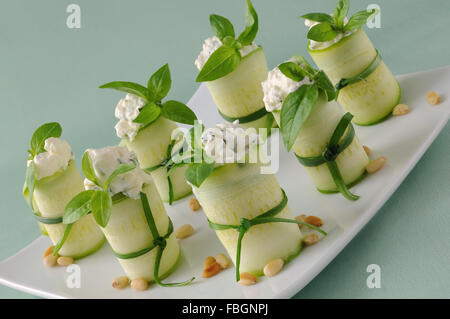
(57, 157)
(314, 45)
(277, 87)
(212, 44)
(126, 111)
(106, 160)
(228, 142)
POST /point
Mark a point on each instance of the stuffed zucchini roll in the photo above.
(302, 101)
(233, 69)
(52, 180)
(147, 126)
(340, 47)
(247, 209)
(126, 205)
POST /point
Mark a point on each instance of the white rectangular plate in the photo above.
(403, 140)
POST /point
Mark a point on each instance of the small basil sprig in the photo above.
(158, 87)
(329, 27)
(98, 201)
(228, 57)
(298, 104)
(37, 144)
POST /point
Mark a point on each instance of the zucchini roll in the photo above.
(248, 210)
(233, 68)
(302, 101)
(52, 180)
(126, 205)
(367, 88)
(147, 126)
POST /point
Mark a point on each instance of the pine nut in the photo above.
(433, 98)
(194, 204)
(223, 261)
(139, 284)
(274, 267)
(367, 150)
(401, 109)
(50, 260)
(310, 239)
(314, 220)
(120, 282)
(48, 251)
(376, 165)
(301, 218)
(212, 270)
(65, 261)
(247, 279)
(208, 262)
(184, 231)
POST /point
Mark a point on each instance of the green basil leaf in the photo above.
(221, 26)
(178, 112)
(41, 135)
(148, 114)
(318, 17)
(88, 169)
(128, 87)
(159, 83)
(295, 111)
(101, 204)
(340, 13)
(198, 172)
(222, 62)
(78, 207)
(304, 64)
(251, 25)
(358, 20)
(121, 169)
(30, 182)
(322, 32)
(323, 82)
(292, 70)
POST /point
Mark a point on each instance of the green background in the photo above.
(51, 73)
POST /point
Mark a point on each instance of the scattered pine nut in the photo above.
(139, 284)
(212, 270)
(401, 109)
(194, 204)
(50, 260)
(367, 150)
(184, 231)
(208, 262)
(376, 165)
(48, 251)
(120, 282)
(247, 279)
(274, 267)
(433, 98)
(223, 261)
(65, 261)
(310, 239)
(314, 220)
(301, 218)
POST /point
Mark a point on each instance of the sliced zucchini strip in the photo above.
(332, 151)
(267, 217)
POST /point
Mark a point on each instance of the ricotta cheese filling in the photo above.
(229, 142)
(56, 157)
(212, 44)
(106, 160)
(277, 87)
(126, 111)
